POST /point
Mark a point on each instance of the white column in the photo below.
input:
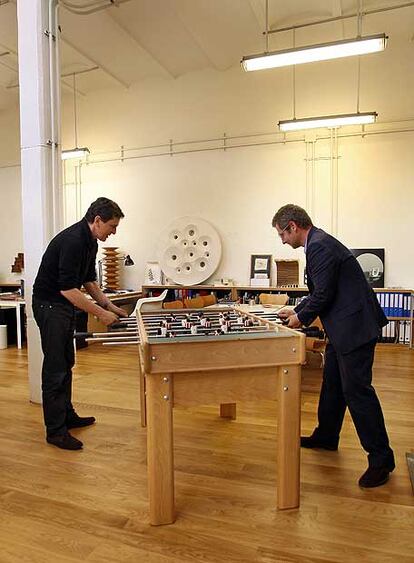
(40, 151)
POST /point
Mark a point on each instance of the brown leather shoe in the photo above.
(65, 441)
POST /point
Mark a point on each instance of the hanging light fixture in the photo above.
(331, 121)
(312, 53)
(80, 152)
(77, 152)
(328, 121)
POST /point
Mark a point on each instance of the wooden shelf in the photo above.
(392, 290)
(278, 288)
(281, 289)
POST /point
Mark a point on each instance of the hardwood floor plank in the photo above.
(92, 505)
(53, 542)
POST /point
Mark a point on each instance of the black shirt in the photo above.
(68, 263)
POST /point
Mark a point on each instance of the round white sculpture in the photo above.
(189, 250)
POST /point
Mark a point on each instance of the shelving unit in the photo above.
(7, 286)
(230, 293)
(397, 304)
(399, 323)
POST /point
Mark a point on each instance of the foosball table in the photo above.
(195, 357)
(204, 356)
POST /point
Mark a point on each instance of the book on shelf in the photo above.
(395, 304)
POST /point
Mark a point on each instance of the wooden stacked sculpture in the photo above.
(18, 265)
(111, 270)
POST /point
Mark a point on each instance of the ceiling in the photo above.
(136, 40)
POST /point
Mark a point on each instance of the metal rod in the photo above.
(358, 81)
(74, 110)
(294, 80)
(359, 19)
(92, 7)
(121, 343)
(115, 338)
(339, 18)
(199, 141)
(80, 71)
(89, 57)
(62, 76)
(283, 140)
(103, 334)
(191, 142)
(359, 33)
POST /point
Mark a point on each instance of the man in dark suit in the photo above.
(352, 318)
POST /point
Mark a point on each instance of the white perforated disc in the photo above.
(189, 250)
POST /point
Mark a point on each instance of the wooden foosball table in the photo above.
(194, 357)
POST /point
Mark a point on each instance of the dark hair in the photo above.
(105, 208)
(291, 212)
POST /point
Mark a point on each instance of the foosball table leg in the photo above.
(288, 432)
(142, 394)
(160, 450)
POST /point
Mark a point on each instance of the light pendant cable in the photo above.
(294, 80)
(76, 152)
(359, 31)
(330, 121)
(91, 7)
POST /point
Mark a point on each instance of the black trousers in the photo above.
(347, 383)
(56, 322)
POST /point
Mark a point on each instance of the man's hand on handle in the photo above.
(107, 317)
(289, 318)
(117, 310)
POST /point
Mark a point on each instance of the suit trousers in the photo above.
(347, 382)
(56, 322)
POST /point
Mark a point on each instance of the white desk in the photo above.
(16, 303)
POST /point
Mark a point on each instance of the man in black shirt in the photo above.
(68, 264)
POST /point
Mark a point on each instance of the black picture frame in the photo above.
(260, 264)
(372, 262)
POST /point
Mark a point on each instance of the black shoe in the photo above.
(313, 442)
(80, 421)
(65, 441)
(374, 477)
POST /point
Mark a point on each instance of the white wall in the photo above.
(11, 222)
(239, 190)
(10, 193)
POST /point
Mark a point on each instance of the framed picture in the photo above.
(372, 262)
(153, 273)
(260, 265)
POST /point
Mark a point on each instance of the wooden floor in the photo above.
(91, 505)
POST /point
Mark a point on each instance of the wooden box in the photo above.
(287, 272)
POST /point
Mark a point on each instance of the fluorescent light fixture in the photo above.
(75, 153)
(328, 121)
(312, 53)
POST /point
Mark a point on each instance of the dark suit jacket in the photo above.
(339, 294)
